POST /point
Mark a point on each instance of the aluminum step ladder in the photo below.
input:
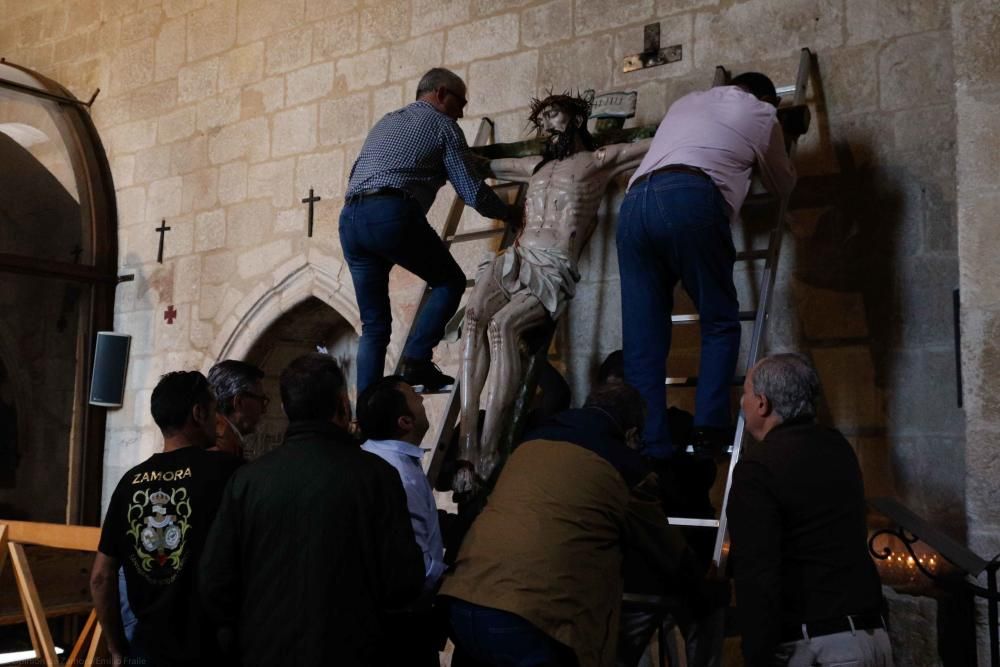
(451, 236)
(759, 316)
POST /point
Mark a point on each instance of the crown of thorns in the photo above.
(575, 105)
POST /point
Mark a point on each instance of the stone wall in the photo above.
(219, 115)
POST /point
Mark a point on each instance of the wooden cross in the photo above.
(162, 229)
(311, 199)
(170, 314)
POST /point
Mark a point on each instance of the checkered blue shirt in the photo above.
(416, 149)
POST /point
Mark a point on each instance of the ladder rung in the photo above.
(475, 236)
(691, 318)
(748, 255)
(695, 523)
(692, 381)
(690, 449)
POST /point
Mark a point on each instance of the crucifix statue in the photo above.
(311, 199)
(531, 281)
(162, 229)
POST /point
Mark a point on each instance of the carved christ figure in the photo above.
(532, 280)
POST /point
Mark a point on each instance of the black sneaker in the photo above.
(424, 376)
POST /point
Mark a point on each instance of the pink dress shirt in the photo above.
(724, 131)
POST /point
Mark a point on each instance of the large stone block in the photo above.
(132, 66)
(248, 223)
(289, 50)
(141, 25)
(261, 259)
(218, 268)
(483, 38)
(850, 78)
(264, 97)
(241, 66)
(976, 31)
(547, 23)
(164, 199)
(175, 8)
(187, 279)
(198, 81)
(916, 404)
(200, 190)
(431, 15)
(232, 182)
(502, 84)
(387, 22)
(978, 136)
(983, 469)
(916, 70)
(180, 239)
(594, 15)
(248, 139)
(677, 29)
(981, 367)
(584, 63)
(175, 126)
(336, 37)
(830, 314)
(364, 70)
(210, 230)
(849, 387)
(977, 247)
(784, 28)
(152, 164)
(260, 18)
(171, 49)
(484, 7)
(187, 156)
(212, 29)
(273, 179)
(413, 58)
(309, 83)
(386, 99)
(318, 9)
(324, 172)
(343, 119)
(219, 110)
(882, 20)
(131, 206)
(914, 625)
(294, 131)
(123, 171)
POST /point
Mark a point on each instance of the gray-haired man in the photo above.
(241, 403)
(807, 591)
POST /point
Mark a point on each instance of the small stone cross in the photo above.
(311, 199)
(170, 314)
(162, 229)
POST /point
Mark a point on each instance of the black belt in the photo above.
(673, 168)
(791, 633)
(377, 192)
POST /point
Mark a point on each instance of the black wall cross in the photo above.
(311, 199)
(162, 229)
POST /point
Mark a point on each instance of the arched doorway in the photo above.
(309, 326)
(58, 265)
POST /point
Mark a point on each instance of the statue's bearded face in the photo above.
(561, 128)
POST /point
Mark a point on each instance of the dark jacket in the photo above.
(799, 538)
(311, 544)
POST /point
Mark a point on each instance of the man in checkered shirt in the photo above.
(405, 160)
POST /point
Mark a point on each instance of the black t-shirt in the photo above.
(156, 527)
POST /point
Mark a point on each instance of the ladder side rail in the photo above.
(483, 135)
(721, 551)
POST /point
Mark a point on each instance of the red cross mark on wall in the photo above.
(170, 314)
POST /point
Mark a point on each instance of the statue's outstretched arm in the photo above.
(621, 158)
(515, 169)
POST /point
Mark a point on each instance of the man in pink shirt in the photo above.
(674, 225)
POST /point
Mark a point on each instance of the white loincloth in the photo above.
(549, 274)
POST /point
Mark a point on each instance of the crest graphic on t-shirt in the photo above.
(158, 523)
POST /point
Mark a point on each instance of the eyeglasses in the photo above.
(264, 400)
(460, 98)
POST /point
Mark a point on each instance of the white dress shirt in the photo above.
(724, 131)
(405, 458)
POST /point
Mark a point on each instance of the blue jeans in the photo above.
(377, 233)
(486, 636)
(675, 226)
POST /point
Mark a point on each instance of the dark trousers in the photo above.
(675, 226)
(377, 233)
(486, 637)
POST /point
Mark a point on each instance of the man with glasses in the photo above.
(241, 403)
(405, 160)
